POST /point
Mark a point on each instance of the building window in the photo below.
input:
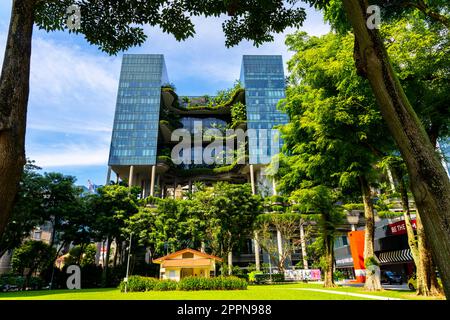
(188, 255)
(37, 235)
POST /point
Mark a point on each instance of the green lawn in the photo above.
(262, 292)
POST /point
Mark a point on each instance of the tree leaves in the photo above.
(115, 25)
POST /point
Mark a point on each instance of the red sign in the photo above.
(399, 227)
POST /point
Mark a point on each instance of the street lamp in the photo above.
(128, 262)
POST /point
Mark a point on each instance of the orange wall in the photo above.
(357, 250)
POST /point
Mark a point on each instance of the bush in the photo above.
(217, 283)
(165, 285)
(139, 284)
(14, 282)
(265, 277)
(251, 276)
(338, 275)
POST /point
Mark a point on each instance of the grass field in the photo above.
(262, 292)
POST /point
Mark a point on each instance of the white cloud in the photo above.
(72, 155)
(206, 57)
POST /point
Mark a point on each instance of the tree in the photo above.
(31, 257)
(27, 213)
(287, 225)
(112, 205)
(82, 255)
(229, 211)
(168, 226)
(319, 202)
(420, 54)
(335, 125)
(428, 180)
(427, 283)
(113, 26)
(61, 206)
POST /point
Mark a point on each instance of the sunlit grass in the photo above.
(261, 292)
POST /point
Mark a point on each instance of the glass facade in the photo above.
(263, 79)
(191, 123)
(136, 121)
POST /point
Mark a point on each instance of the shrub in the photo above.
(251, 276)
(139, 284)
(10, 281)
(217, 283)
(165, 285)
(338, 275)
(266, 277)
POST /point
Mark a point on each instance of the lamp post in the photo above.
(128, 262)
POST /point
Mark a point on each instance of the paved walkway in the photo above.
(368, 296)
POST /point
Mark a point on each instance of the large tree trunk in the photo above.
(425, 271)
(429, 181)
(14, 89)
(373, 281)
(105, 275)
(427, 284)
(412, 241)
(230, 262)
(328, 278)
(329, 260)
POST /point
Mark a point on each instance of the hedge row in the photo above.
(8, 281)
(217, 283)
(266, 277)
(141, 284)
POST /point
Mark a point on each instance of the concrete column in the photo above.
(280, 244)
(255, 240)
(163, 190)
(391, 179)
(274, 187)
(108, 175)
(175, 189)
(303, 244)
(230, 262)
(158, 183)
(257, 257)
(252, 179)
(131, 177)
(152, 181)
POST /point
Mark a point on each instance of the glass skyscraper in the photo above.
(148, 111)
(136, 122)
(263, 79)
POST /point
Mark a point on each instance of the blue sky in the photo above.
(73, 87)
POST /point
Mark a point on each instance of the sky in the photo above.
(73, 86)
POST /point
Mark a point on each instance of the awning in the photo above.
(397, 256)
